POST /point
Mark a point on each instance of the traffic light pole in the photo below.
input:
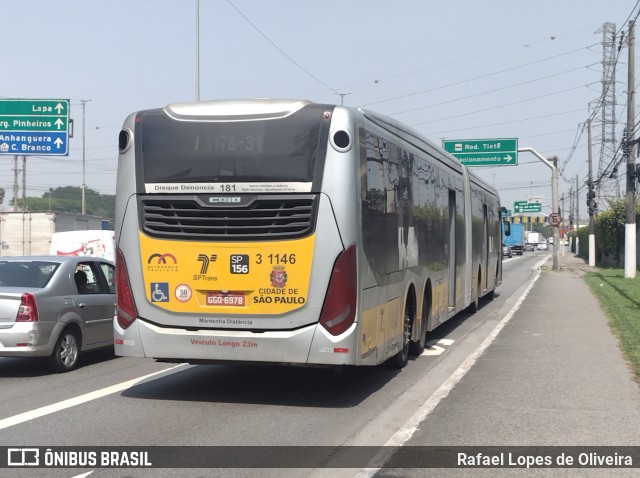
(554, 202)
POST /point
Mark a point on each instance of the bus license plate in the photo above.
(225, 298)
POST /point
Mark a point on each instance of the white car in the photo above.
(543, 246)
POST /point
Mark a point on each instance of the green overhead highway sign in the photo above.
(525, 206)
(484, 152)
(32, 123)
(34, 127)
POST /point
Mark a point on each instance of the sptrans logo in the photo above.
(205, 260)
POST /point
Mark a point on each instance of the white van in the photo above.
(93, 243)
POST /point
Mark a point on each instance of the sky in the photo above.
(454, 69)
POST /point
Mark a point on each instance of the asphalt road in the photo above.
(117, 401)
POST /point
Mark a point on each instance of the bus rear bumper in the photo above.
(308, 345)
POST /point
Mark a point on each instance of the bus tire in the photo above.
(417, 347)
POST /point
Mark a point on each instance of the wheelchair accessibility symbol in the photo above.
(159, 292)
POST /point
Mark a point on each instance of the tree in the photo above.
(69, 199)
(609, 232)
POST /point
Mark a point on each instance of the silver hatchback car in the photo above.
(55, 307)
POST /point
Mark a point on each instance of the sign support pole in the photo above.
(24, 183)
(554, 201)
(15, 183)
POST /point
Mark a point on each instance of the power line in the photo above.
(307, 72)
(475, 78)
(506, 122)
(497, 90)
(629, 17)
(500, 106)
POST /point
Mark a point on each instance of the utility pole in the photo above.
(577, 221)
(562, 215)
(591, 203)
(630, 226)
(197, 50)
(342, 95)
(571, 216)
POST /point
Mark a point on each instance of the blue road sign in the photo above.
(34, 127)
(34, 143)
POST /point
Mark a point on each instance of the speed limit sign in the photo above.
(554, 219)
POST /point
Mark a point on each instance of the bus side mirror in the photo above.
(507, 228)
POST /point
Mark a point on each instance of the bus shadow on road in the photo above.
(267, 384)
(443, 331)
(288, 385)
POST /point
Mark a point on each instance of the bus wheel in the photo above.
(416, 348)
(400, 359)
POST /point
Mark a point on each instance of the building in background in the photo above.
(30, 233)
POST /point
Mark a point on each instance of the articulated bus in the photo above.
(293, 232)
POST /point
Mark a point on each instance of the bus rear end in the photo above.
(230, 246)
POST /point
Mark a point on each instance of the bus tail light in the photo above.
(339, 308)
(28, 312)
(125, 306)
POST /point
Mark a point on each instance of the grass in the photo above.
(620, 299)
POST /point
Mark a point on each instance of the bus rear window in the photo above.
(208, 151)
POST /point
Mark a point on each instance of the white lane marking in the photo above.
(411, 425)
(72, 402)
(432, 347)
(84, 475)
(445, 342)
